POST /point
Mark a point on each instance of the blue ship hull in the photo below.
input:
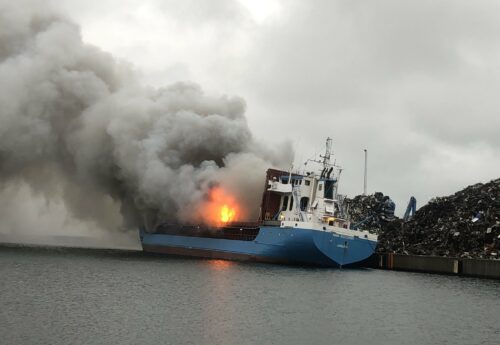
(272, 244)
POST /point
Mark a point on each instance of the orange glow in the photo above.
(227, 214)
(221, 208)
(220, 264)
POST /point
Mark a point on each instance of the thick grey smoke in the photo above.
(76, 125)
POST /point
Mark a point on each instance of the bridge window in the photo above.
(329, 189)
(285, 203)
(304, 202)
(307, 182)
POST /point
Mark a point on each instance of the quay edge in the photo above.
(483, 268)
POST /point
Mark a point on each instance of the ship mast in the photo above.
(325, 158)
(328, 153)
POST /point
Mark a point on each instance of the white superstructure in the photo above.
(311, 200)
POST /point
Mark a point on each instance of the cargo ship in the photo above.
(301, 222)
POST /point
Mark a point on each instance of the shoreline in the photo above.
(466, 267)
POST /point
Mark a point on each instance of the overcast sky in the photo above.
(415, 83)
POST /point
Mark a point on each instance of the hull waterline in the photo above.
(272, 244)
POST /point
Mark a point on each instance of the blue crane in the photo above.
(410, 209)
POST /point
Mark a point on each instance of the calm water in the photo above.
(63, 296)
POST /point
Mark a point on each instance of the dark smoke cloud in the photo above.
(75, 124)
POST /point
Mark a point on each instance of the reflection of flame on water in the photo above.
(220, 264)
(221, 207)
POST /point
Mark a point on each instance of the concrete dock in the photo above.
(483, 268)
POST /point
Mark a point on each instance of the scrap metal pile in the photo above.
(370, 212)
(465, 224)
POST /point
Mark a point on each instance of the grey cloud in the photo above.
(413, 82)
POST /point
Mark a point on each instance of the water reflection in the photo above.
(220, 265)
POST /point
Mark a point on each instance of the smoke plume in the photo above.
(76, 125)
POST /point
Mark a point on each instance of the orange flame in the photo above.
(227, 214)
(221, 207)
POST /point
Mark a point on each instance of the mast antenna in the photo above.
(366, 172)
(328, 153)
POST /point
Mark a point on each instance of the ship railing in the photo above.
(244, 231)
(241, 225)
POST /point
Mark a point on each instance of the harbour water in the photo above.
(77, 296)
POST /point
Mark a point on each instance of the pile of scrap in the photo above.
(370, 212)
(465, 224)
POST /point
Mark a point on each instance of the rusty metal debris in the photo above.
(465, 224)
(370, 212)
